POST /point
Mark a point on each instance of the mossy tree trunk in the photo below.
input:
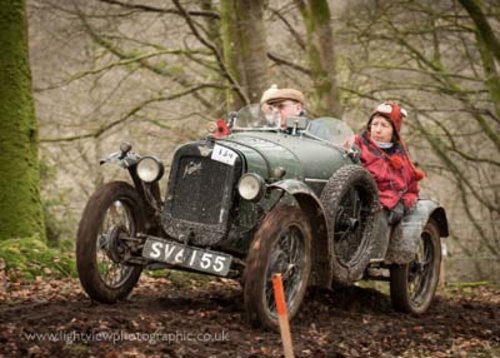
(243, 35)
(214, 36)
(253, 46)
(232, 57)
(317, 19)
(489, 48)
(21, 213)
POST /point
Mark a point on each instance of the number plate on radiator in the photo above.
(186, 256)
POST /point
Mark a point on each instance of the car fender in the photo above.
(321, 247)
(404, 240)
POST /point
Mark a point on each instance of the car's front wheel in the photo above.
(413, 285)
(282, 244)
(114, 211)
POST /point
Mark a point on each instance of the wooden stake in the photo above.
(279, 298)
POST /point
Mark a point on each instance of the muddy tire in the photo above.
(413, 285)
(114, 209)
(282, 244)
(351, 202)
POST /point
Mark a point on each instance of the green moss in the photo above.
(21, 213)
(320, 11)
(31, 257)
(229, 35)
(59, 228)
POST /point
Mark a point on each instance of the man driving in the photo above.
(286, 102)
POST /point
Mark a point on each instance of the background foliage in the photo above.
(155, 73)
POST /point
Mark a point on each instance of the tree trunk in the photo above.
(483, 26)
(21, 213)
(253, 47)
(326, 98)
(232, 57)
(489, 48)
(245, 49)
(214, 36)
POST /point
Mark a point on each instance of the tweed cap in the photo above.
(268, 93)
(283, 94)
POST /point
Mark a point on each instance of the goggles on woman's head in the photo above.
(386, 108)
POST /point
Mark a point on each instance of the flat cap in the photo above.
(268, 93)
(283, 94)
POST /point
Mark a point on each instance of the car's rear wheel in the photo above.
(113, 211)
(351, 202)
(413, 285)
(282, 244)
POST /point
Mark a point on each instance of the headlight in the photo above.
(149, 169)
(251, 187)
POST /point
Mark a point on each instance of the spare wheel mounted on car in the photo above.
(351, 202)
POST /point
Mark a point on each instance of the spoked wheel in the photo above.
(349, 222)
(350, 199)
(413, 285)
(113, 211)
(281, 245)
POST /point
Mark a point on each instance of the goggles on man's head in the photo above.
(386, 108)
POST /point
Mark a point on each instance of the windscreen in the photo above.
(330, 129)
(256, 117)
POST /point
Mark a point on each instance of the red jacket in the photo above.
(395, 175)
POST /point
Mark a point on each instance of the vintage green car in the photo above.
(251, 200)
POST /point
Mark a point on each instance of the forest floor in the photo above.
(200, 318)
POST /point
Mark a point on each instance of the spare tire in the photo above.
(351, 202)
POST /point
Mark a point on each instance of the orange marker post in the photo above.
(279, 298)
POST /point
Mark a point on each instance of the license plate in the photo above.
(186, 256)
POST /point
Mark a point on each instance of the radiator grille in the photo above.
(199, 189)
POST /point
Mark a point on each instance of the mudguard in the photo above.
(404, 237)
(294, 187)
(321, 247)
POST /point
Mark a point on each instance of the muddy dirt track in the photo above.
(164, 318)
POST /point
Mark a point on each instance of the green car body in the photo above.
(303, 161)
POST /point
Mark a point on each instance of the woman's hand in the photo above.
(348, 143)
(396, 214)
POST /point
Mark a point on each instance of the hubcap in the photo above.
(420, 270)
(350, 224)
(288, 259)
(109, 248)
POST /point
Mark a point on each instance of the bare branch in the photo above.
(148, 8)
(103, 129)
(483, 27)
(123, 62)
(300, 41)
(282, 61)
(454, 148)
(216, 53)
(452, 166)
(121, 54)
(472, 219)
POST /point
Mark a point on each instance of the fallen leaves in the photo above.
(350, 323)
